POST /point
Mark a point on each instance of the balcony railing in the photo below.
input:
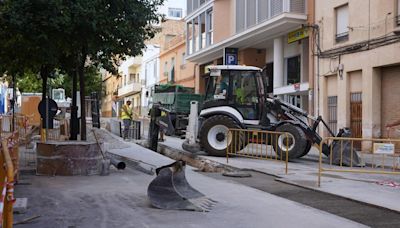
(250, 13)
(129, 89)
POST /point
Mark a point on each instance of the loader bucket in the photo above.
(340, 152)
(170, 190)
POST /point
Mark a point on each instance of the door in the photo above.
(245, 93)
(356, 117)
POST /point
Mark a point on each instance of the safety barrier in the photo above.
(258, 144)
(374, 155)
(7, 172)
(21, 124)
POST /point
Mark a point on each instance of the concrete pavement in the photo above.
(238, 205)
(367, 188)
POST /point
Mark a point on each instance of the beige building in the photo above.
(359, 65)
(261, 31)
(174, 69)
(110, 85)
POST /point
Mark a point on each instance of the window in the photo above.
(171, 76)
(165, 68)
(342, 23)
(244, 93)
(209, 29)
(183, 58)
(398, 12)
(175, 12)
(132, 78)
(293, 70)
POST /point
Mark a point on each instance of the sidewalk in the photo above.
(367, 188)
(238, 205)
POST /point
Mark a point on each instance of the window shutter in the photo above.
(262, 10)
(297, 6)
(189, 6)
(251, 13)
(240, 13)
(342, 20)
(276, 7)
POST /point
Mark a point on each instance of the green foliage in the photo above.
(31, 83)
(58, 34)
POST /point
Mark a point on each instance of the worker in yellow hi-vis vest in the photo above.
(126, 116)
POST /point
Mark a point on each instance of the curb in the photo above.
(285, 181)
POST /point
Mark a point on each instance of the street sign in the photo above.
(383, 148)
(231, 56)
(298, 34)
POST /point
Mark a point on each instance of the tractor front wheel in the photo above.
(215, 136)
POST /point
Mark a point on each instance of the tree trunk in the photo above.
(74, 109)
(44, 74)
(81, 72)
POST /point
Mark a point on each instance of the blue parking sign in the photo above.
(231, 56)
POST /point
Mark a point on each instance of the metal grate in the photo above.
(356, 117)
(332, 113)
(262, 10)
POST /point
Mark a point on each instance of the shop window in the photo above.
(293, 70)
(342, 23)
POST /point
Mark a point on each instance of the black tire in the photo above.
(220, 150)
(307, 149)
(296, 146)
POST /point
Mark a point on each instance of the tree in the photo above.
(29, 35)
(104, 32)
(44, 35)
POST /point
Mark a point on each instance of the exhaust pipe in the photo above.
(120, 165)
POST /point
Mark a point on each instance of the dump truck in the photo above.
(175, 99)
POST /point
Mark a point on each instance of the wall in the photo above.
(224, 19)
(252, 57)
(359, 19)
(369, 63)
(184, 72)
(110, 83)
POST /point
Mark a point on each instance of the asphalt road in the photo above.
(362, 213)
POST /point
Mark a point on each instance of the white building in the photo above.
(140, 74)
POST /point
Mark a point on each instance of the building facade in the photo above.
(139, 74)
(174, 68)
(110, 86)
(359, 65)
(261, 32)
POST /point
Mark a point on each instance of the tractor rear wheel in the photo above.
(293, 141)
(215, 136)
(307, 149)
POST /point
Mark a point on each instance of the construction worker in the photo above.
(126, 116)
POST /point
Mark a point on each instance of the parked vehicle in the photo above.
(175, 100)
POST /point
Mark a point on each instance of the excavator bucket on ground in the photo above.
(342, 152)
(170, 190)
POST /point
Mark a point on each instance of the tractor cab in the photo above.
(236, 87)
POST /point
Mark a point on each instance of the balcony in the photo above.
(257, 23)
(129, 89)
